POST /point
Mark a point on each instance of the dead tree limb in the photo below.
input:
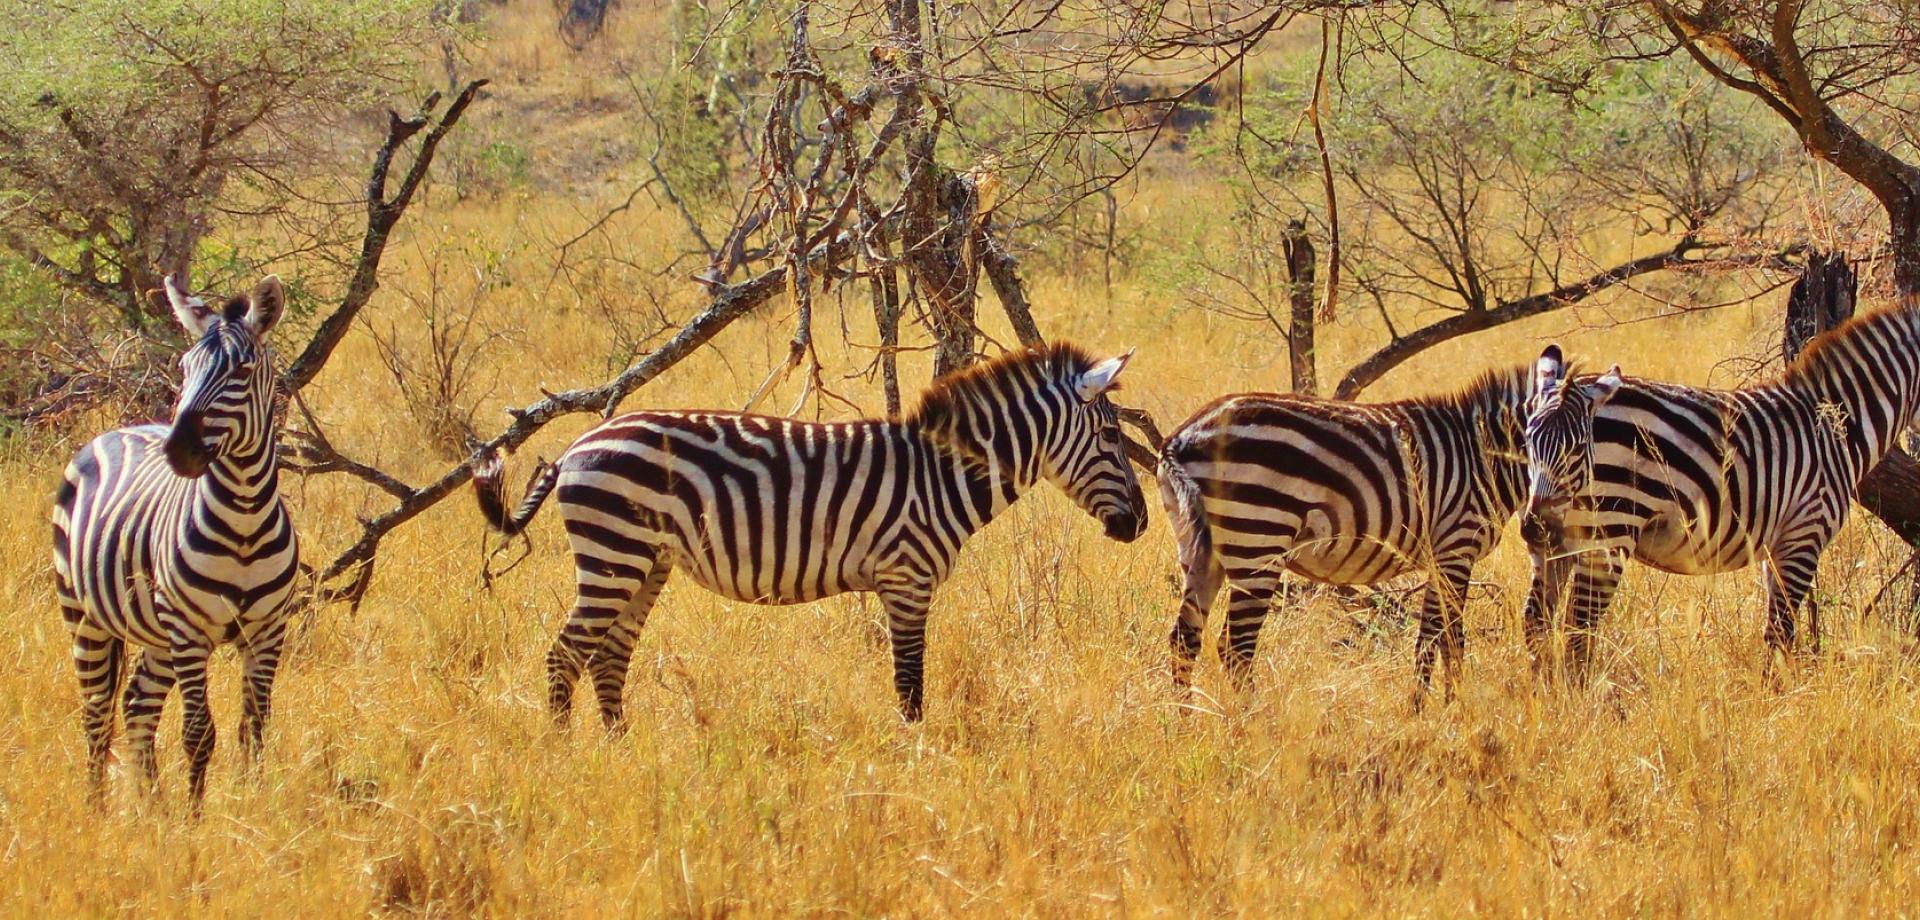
(1401, 349)
(355, 563)
(383, 212)
(1299, 254)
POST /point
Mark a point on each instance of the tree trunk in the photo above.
(945, 267)
(1823, 298)
(886, 316)
(1300, 255)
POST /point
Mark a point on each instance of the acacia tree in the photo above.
(878, 146)
(131, 132)
(1462, 195)
(1839, 75)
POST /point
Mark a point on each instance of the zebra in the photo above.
(1699, 481)
(1261, 484)
(172, 539)
(778, 511)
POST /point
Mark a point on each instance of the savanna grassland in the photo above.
(412, 766)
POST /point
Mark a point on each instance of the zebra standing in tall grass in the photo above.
(1261, 484)
(1697, 481)
(172, 538)
(778, 511)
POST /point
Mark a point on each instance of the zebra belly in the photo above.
(765, 592)
(1350, 562)
(1680, 547)
(1321, 554)
(616, 519)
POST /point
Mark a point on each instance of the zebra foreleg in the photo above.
(1596, 576)
(1790, 572)
(907, 631)
(98, 658)
(610, 661)
(146, 698)
(260, 662)
(190, 654)
(1442, 631)
(1544, 596)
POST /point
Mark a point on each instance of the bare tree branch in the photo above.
(383, 213)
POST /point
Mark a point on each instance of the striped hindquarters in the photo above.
(1321, 488)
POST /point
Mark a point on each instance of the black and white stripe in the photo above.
(1258, 485)
(172, 539)
(1697, 481)
(779, 511)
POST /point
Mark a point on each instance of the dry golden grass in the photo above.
(412, 767)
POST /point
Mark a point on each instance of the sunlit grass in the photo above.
(412, 767)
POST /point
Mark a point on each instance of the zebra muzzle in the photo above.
(1126, 528)
(187, 449)
(1541, 528)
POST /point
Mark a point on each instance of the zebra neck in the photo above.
(246, 482)
(976, 483)
(1871, 375)
(1476, 435)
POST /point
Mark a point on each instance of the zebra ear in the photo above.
(265, 304)
(1603, 389)
(192, 312)
(1549, 371)
(1099, 378)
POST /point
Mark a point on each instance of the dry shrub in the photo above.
(447, 865)
(437, 347)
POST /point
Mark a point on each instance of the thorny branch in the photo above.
(383, 212)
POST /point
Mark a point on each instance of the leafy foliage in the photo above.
(131, 134)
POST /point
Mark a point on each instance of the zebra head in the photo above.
(225, 406)
(1085, 454)
(1559, 436)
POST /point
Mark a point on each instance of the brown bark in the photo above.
(1822, 299)
(1299, 253)
(1405, 347)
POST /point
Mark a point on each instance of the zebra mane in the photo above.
(1488, 390)
(1828, 350)
(938, 413)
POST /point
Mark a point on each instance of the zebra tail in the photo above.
(1180, 495)
(489, 488)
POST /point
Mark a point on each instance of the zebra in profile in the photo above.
(173, 539)
(1260, 484)
(778, 511)
(1697, 481)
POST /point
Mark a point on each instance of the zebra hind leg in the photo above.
(146, 697)
(1195, 600)
(98, 659)
(1250, 596)
(610, 661)
(605, 589)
